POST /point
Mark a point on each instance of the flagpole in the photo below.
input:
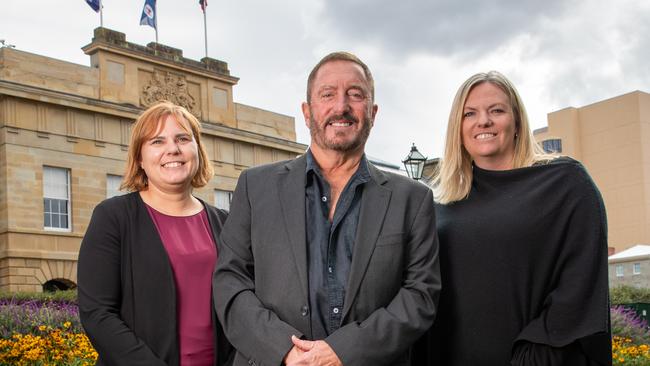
(155, 11)
(101, 14)
(205, 32)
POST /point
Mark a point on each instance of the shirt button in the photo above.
(329, 269)
(324, 198)
(336, 310)
(304, 310)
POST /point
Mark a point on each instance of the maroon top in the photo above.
(192, 254)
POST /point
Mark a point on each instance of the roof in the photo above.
(386, 166)
(383, 163)
(637, 251)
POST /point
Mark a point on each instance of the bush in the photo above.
(69, 296)
(628, 294)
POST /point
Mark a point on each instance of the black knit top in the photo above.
(524, 270)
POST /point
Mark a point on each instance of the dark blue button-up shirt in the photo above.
(330, 244)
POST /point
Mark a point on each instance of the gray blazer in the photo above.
(260, 284)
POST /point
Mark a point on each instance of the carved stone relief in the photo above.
(167, 86)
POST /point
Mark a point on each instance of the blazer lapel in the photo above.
(150, 264)
(374, 205)
(291, 188)
(216, 222)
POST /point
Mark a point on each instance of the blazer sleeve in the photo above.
(255, 331)
(389, 332)
(100, 293)
(576, 309)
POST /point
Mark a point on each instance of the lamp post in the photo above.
(414, 163)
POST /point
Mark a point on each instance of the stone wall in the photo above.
(58, 114)
(629, 278)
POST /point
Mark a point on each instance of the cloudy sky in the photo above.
(559, 53)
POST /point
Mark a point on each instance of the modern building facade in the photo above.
(612, 139)
(64, 133)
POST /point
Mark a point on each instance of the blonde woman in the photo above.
(523, 242)
(146, 261)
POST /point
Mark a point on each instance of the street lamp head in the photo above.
(414, 163)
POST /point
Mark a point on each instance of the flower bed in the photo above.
(630, 344)
(626, 352)
(42, 330)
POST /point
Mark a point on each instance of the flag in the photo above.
(204, 4)
(95, 4)
(149, 14)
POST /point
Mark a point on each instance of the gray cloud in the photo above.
(599, 55)
(461, 28)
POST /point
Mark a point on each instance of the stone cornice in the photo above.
(68, 99)
(39, 254)
(132, 112)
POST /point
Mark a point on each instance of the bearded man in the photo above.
(325, 259)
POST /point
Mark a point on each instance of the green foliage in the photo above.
(68, 296)
(628, 295)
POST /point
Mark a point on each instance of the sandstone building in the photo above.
(64, 131)
(612, 139)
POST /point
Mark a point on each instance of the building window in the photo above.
(552, 146)
(619, 270)
(222, 199)
(636, 268)
(113, 185)
(56, 198)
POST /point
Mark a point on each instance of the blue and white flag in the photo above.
(149, 14)
(95, 4)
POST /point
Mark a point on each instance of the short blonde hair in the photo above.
(453, 179)
(135, 178)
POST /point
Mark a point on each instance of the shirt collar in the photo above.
(362, 173)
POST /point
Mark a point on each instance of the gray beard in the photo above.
(318, 135)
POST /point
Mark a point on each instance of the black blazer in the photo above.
(127, 294)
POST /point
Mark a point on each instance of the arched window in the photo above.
(58, 284)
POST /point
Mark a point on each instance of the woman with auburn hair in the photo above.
(146, 261)
(523, 242)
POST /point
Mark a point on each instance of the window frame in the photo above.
(68, 201)
(634, 268)
(620, 270)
